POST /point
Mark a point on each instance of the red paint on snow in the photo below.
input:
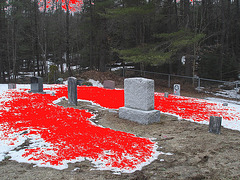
(70, 132)
(72, 135)
(192, 108)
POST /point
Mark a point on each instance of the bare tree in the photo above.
(67, 39)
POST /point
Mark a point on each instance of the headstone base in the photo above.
(139, 116)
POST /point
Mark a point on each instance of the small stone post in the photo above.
(109, 84)
(80, 81)
(215, 124)
(166, 94)
(11, 86)
(169, 80)
(72, 91)
(225, 104)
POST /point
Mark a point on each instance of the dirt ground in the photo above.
(196, 154)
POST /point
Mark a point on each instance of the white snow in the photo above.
(75, 169)
(232, 105)
(219, 100)
(228, 93)
(95, 83)
(168, 153)
(65, 68)
(6, 145)
(3, 88)
(117, 68)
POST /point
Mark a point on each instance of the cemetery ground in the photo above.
(187, 150)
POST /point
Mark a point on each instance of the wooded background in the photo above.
(153, 34)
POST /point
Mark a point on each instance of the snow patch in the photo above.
(95, 83)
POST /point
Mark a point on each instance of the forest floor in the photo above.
(188, 151)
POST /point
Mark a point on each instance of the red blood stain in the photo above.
(72, 135)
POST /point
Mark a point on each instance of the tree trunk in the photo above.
(67, 39)
(45, 69)
(222, 38)
(102, 62)
(176, 14)
(14, 51)
(36, 36)
(91, 37)
(186, 13)
(8, 51)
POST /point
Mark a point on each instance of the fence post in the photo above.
(199, 79)
(123, 71)
(169, 80)
(237, 90)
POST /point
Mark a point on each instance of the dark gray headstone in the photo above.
(80, 81)
(166, 94)
(11, 86)
(108, 84)
(72, 91)
(60, 81)
(215, 124)
(36, 84)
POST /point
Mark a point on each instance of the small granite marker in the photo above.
(139, 101)
(11, 86)
(80, 81)
(166, 94)
(59, 81)
(108, 84)
(176, 89)
(36, 85)
(72, 91)
(215, 124)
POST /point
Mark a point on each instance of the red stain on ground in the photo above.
(72, 135)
